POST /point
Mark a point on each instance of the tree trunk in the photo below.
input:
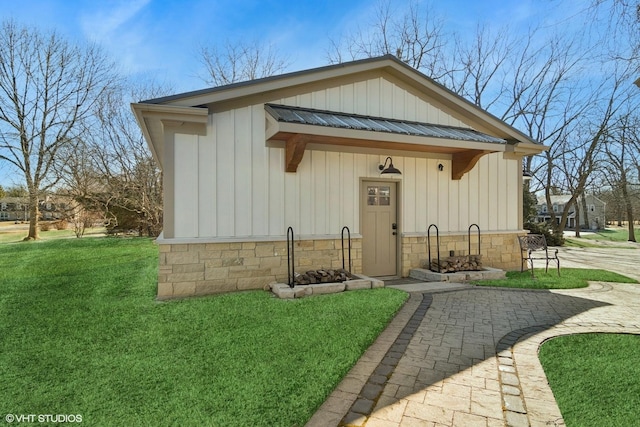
(629, 209)
(34, 216)
(577, 219)
(585, 211)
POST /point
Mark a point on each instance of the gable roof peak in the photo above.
(255, 82)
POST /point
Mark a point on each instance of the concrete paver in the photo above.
(458, 355)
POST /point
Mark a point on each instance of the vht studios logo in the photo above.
(43, 418)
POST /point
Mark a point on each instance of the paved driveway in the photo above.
(468, 356)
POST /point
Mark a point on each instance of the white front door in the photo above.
(379, 228)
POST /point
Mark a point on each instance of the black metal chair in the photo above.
(534, 246)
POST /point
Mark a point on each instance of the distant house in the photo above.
(243, 162)
(14, 209)
(17, 209)
(595, 214)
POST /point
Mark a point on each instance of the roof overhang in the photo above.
(154, 120)
(325, 128)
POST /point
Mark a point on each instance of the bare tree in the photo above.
(128, 183)
(240, 62)
(414, 36)
(48, 88)
(622, 164)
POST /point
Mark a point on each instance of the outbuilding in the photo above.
(244, 162)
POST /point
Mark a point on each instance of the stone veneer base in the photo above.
(187, 269)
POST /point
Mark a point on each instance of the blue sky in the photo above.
(160, 39)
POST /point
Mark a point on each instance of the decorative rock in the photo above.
(357, 284)
(493, 274)
(474, 275)
(302, 291)
(283, 291)
(375, 283)
(462, 276)
(327, 288)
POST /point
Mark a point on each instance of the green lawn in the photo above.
(612, 235)
(81, 333)
(595, 378)
(569, 278)
(14, 236)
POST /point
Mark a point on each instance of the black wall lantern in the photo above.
(390, 171)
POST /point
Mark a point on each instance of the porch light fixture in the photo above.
(390, 171)
(440, 167)
(526, 175)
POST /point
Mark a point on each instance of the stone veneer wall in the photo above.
(498, 250)
(188, 269)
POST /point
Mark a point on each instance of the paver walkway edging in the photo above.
(371, 391)
(332, 411)
(537, 398)
(506, 386)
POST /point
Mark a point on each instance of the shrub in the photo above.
(553, 239)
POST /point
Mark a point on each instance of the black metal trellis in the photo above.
(290, 258)
(429, 245)
(469, 238)
(349, 240)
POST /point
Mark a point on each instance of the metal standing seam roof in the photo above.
(310, 116)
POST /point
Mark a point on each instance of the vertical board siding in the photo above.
(278, 205)
(243, 173)
(259, 160)
(225, 173)
(334, 188)
(409, 180)
(186, 185)
(473, 197)
(319, 192)
(243, 190)
(207, 183)
(514, 169)
(420, 196)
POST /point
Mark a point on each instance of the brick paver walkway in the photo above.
(469, 357)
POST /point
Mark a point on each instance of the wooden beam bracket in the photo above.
(294, 151)
(464, 161)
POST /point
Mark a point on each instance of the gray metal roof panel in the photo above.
(334, 119)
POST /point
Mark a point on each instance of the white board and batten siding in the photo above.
(229, 184)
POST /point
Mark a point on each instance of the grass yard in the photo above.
(595, 378)
(10, 233)
(610, 235)
(569, 278)
(81, 333)
(613, 237)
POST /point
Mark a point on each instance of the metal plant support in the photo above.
(469, 238)
(429, 245)
(349, 239)
(290, 258)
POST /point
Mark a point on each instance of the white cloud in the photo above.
(101, 24)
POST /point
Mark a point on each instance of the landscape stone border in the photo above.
(371, 391)
(284, 291)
